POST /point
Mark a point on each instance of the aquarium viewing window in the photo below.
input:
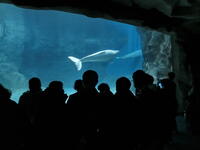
(55, 45)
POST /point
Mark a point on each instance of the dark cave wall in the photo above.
(189, 40)
(183, 71)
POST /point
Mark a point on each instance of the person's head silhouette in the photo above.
(123, 84)
(56, 86)
(149, 79)
(4, 93)
(34, 84)
(78, 85)
(139, 78)
(90, 79)
(103, 88)
(171, 75)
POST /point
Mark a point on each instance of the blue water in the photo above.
(37, 43)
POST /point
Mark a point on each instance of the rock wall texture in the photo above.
(156, 48)
(161, 55)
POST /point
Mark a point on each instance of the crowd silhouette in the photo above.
(91, 119)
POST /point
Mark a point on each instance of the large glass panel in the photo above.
(38, 43)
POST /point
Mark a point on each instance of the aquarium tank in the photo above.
(55, 45)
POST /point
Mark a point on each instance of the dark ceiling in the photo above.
(166, 15)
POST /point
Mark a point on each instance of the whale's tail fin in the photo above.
(76, 61)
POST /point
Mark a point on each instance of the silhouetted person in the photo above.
(171, 76)
(168, 95)
(123, 86)
(5, 95)
(104, 90)
(74, 104)
(78, 86)
(139, 81)
(150, 111)
(169, 87)
(126, 114)
(83, 109)
(172, 84)
(54, 93)
(90, 80)
(90, 108)
(29, 100)
(106, 117)
(29, 104)
(8, 120)
(52, 122)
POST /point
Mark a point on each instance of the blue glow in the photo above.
(41, 40)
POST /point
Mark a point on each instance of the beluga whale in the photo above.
(100, 56)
